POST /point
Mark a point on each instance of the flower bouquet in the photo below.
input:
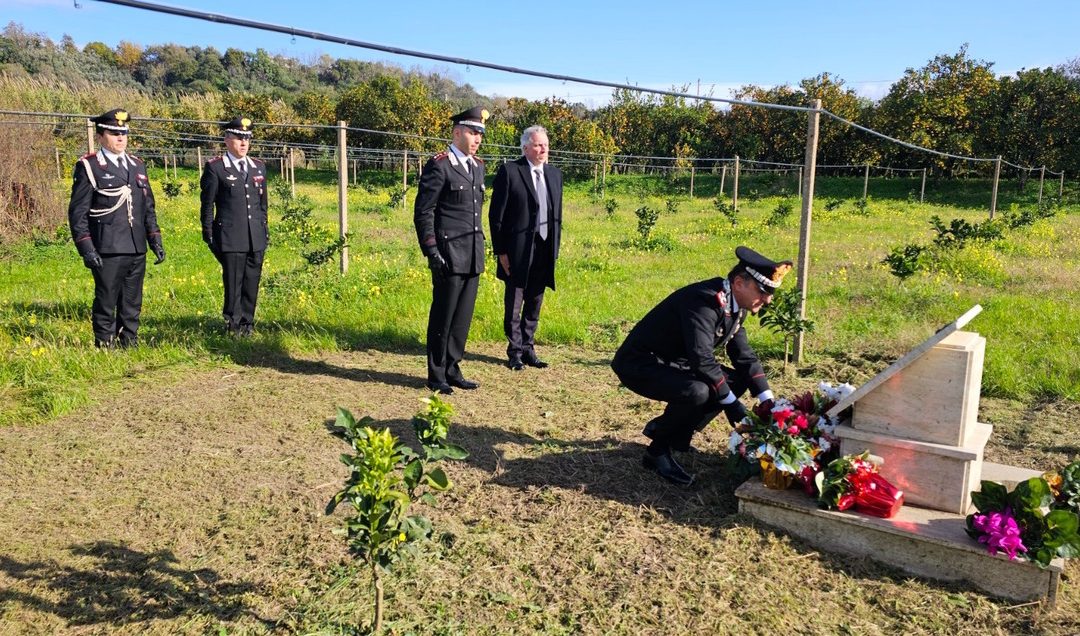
(790, 438)
(1013, 522)
(853, 481)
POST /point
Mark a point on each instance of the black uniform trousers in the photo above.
(691, 404)
(118, 290)
(521, 305)
(453, 298)
(240, 274)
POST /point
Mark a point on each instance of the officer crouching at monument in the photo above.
(235, 185)
(112, 220)
(670, 356)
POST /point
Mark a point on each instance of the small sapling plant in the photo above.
(782, 317)
(385, 479)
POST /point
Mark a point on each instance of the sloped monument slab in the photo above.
(919, 414)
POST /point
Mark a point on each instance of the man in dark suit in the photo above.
(526, 222)
(235, 185)
(670, 356)
(449, 201)
(112, 219)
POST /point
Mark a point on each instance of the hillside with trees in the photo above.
(953, 103)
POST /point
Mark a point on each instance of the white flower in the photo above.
(734, 441)
(781, 404)
(845, 390)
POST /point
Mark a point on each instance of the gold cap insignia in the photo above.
(121, 116)
(778, 274)
(246, 123)
(484, 114)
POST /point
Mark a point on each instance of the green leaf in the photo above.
(412, 472)
(1032, 494)
(428, 498)
(991, 496)
(437, 479)
(453, 451)
(345, 419)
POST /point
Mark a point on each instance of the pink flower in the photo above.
(801, 422)
(1000, 532)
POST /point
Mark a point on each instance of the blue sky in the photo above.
(722, 45)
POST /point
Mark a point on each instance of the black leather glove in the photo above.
(735, 412)
(437, 265)
(208, 238)
(159, 251)
(92, 260)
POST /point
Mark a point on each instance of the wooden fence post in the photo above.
(89, 136)
(723, 176)
(59, 170)
(800, 180)
(993, 194)
(603, 180)
(198, 158)
(922, 188)
(1061, 185)
(404, 173)
(810, 167)
(691, 182)
(343, 194)
(865, 181)
(735, 187)
(1042, 175)
(292, 171)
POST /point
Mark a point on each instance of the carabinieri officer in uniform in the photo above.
(670, 356)
(235, 185)
(112, 221)
(449, 226)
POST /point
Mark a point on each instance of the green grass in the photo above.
(1026, 283)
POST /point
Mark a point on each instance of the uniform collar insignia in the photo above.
(108, 176)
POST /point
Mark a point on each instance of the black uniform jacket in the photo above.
(447, 212)
(241, 203)
(111, 210)
(687, 327)
(513, 213)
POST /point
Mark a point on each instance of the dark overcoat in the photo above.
(513, 214)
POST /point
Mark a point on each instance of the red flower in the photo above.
(781, 416)
(845, 502)
(806, 477)
(801, 422)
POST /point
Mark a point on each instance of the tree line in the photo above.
(954, 103)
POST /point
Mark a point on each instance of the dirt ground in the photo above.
(188, 501)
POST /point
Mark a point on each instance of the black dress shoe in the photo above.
(462, 383)
(440, 387)
(668, 468)
(515, 364)
(531, 360)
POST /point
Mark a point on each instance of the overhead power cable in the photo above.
(314, 35)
